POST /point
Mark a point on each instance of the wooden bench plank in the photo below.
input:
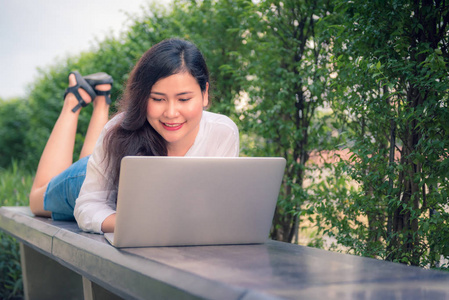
(20, 222)
(130, 275)
(292, 271)
(273, 270)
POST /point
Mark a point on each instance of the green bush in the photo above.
(14, 124)
(11, 286)
(15, 184)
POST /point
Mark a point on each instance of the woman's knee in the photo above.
(37, 202)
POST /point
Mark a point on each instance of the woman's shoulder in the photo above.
(114, 120)
(217, 121)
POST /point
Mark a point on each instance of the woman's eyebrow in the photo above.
(179, 94)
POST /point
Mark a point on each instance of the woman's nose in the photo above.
(171, 110)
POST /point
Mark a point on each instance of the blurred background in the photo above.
(35, 33)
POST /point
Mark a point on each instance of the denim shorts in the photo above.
(63, 189)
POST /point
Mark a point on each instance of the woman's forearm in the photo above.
(108, 224)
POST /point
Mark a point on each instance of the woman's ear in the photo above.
(206, 95)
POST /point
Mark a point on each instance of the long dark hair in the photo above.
(134, 135)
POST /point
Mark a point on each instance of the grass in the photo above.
(15, 184)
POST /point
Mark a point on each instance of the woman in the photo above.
(161, 113)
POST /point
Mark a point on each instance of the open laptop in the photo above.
(177, 201)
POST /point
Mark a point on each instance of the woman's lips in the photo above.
(172, 126)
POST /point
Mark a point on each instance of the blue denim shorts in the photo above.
(63, 189)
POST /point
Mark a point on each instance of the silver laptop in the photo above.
(176, 201)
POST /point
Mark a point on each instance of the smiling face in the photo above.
(174, 110)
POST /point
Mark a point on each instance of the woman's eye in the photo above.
(184, 99)
(157, 99)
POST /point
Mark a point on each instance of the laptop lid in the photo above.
(174, 201)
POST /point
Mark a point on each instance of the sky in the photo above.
(37, 33)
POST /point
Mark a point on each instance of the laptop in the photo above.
(184, 201)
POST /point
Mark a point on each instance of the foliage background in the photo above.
(353, 96)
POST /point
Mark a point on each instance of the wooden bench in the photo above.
(61, 262)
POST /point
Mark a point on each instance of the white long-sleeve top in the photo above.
(218, 136)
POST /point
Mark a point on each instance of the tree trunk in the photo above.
(405, 225)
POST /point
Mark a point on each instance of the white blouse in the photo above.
(218, 136)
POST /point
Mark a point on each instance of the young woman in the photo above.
(161, 113)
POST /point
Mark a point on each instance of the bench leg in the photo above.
(93, 291)
(44, 278)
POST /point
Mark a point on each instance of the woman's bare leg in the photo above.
(58, 152)
(99, 118)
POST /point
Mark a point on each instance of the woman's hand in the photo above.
(108, 224)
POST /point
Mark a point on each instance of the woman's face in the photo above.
(174, 110)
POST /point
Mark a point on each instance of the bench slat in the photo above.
(273, 270)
